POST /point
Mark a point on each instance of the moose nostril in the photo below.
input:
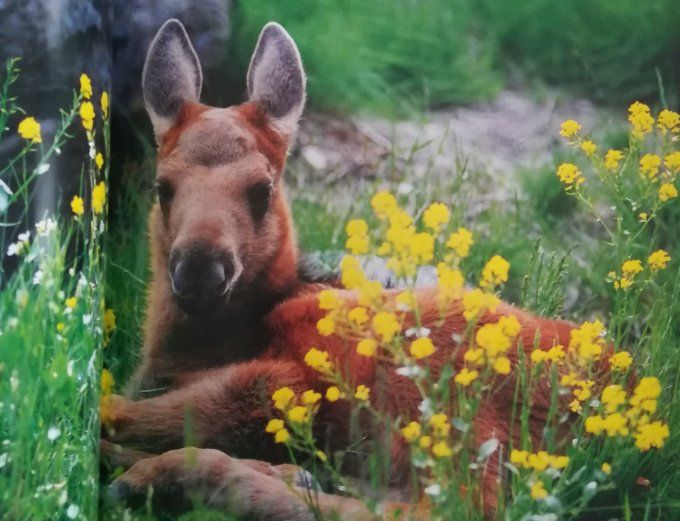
(200, 275)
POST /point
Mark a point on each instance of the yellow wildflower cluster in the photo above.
(621, 415)
(631, 268)
(298, 412)
(538, 461)
(432, 437)
(653, 167)
(106, 383)
(492, 343)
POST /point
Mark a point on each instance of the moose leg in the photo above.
(175, 479)
(226, 410)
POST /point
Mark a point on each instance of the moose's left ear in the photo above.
(276, 79)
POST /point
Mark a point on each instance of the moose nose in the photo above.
(200, 275)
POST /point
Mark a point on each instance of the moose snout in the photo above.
(201, 275)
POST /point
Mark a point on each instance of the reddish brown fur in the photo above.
(226, 367)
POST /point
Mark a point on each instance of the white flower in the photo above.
(425, 407)
(15, 248)
(24, 237)
(87, 319)
(46, 226)
(419, 332)
(3, 459)
(42, 168)
(409, 371)
(433, 490)
(72, 511)
(53, 433)
(37, 277)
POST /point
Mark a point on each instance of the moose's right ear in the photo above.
(171, 77)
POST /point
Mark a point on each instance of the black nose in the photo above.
(200, 274)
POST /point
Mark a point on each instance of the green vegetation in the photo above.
(394, 56)
(51, 331)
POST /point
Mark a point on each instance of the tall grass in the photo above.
(393, 56)
(51, 333)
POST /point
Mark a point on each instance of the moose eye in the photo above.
(258, 198)
(164, 193)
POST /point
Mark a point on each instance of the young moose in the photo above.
(230, 317)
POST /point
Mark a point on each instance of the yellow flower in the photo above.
(109, 321)
(326, 326)
(333, 394)
(367, 347)
(612, 159)
(85, 86)
(71, 302)
(575, 406)
(495, 272)
(640, 119)
(538, 490)
(98, 197)
(569, 128)
(422, 348)
(460, 242)
(29, 129)
(588, 147)
(406, 300)
(358, 315)
(612, 397)
(643, 217)
(274, 426)
(651, 435)
(440, 424)
(321, 455)
(570, 175)
(282, 436)
(357, 244)
(649, 165)
(105, 104)
(449, 281)
(317, 359)
(668, 120)
(77, 205)
(87, 115)
(283, 397)
(519, 458)
(106, 382)
(411, 432)
(631, 267)
(476, 301)
(436, 215)
(99, 160)
(441, 450)
(310, 397)
(328, 299)
(465, 377)
(424, 442)
(298, 414)
(606, 468)
(362, 393)
(672, 161)
(356, 227)
(386, 325)
(667, 191)
(383, 204)
(352, 276)
(621, 361)
(61, 326)
(658, 260)
(502, 365)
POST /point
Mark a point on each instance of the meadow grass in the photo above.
(396, 56)
(51, 327)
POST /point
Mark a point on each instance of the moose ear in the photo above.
(171, 77)
(276, 79)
